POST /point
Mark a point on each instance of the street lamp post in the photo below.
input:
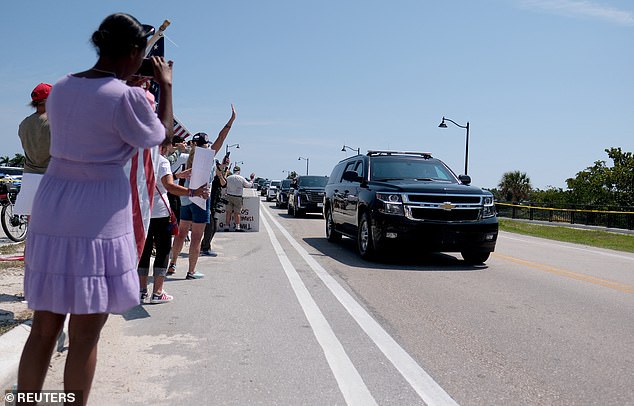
(305, 159)
(232, 145)
(466, 153)
(343, 149)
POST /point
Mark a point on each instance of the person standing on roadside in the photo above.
(235, 186)
(193, 217)
(177, 156)
(159, 234)
(219, 182)
(35, 135)
(81, 256)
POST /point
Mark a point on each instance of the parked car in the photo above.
(388, 198)
(271, 192)
(307, 195)
(281, 200)
(11, 175)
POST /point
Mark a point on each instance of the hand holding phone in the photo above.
(146, 69)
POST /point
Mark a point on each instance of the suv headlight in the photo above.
(489, 207)
(392, 203)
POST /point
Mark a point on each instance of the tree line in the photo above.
(600, 186)
(17, 161)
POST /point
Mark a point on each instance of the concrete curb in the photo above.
(11, 344)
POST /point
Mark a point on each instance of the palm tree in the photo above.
(4, 161)
(17, 160)
(515, 186)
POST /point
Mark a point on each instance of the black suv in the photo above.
(409, 198)
(281, 200)
(306, 195)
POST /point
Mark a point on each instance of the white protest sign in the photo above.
(201, 171)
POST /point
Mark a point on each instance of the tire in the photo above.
(14, 226)
(365, 241)
(475, 257)
(296, 212)
(332, 235)
(277, 204)
(289, 210)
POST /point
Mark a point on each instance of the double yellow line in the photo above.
(621, 287)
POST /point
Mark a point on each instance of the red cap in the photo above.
(41, 92)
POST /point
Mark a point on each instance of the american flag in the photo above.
(180, 130)
(142, 171)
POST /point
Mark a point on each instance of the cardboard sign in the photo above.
(249, 215)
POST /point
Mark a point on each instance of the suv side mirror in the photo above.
(465, 179)
(352, 176)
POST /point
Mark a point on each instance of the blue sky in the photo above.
(545, 85)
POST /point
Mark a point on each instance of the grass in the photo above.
(593, 238)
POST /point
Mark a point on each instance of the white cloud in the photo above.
(582, 8)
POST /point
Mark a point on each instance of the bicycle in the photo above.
(14, 225)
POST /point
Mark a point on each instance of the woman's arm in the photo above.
(177, 190)
(163, 76)
(224, 132)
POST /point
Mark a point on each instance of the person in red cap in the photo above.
(35, 136)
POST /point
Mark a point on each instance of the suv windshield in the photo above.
(389, 168)
(276, 183)
(286, 184)
(313, 181)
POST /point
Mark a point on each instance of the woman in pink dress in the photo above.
(80, 252)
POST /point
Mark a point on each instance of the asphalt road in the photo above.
(285, 318)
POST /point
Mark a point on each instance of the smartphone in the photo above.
(146, 69)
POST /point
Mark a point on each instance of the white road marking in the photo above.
(352, 387)
(424, 385)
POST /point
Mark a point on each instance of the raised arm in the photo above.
(163, 76)
(224, 132)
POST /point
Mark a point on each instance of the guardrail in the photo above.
(601, 218)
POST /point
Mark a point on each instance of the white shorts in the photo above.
(24, 201)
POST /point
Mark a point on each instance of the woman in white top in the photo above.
(159, 234)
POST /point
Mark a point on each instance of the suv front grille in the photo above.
(420, 213)
(443, 199)
(314, 197)
(441, 207)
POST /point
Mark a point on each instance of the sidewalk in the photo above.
(237, 336)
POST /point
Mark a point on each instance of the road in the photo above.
(284, 317)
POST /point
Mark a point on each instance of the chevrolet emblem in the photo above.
(447, 206)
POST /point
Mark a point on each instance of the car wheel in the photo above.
(475, 258)
(365, 242)
(332, 235)
(289, 209)
(296, 212)
(277, 204)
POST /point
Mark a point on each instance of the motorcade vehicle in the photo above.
(281, 200)
(306, 195)
(264, 187)
(408, 199)
(259, 182)
(271, 192)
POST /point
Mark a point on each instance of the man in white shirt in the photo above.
(235, 185)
